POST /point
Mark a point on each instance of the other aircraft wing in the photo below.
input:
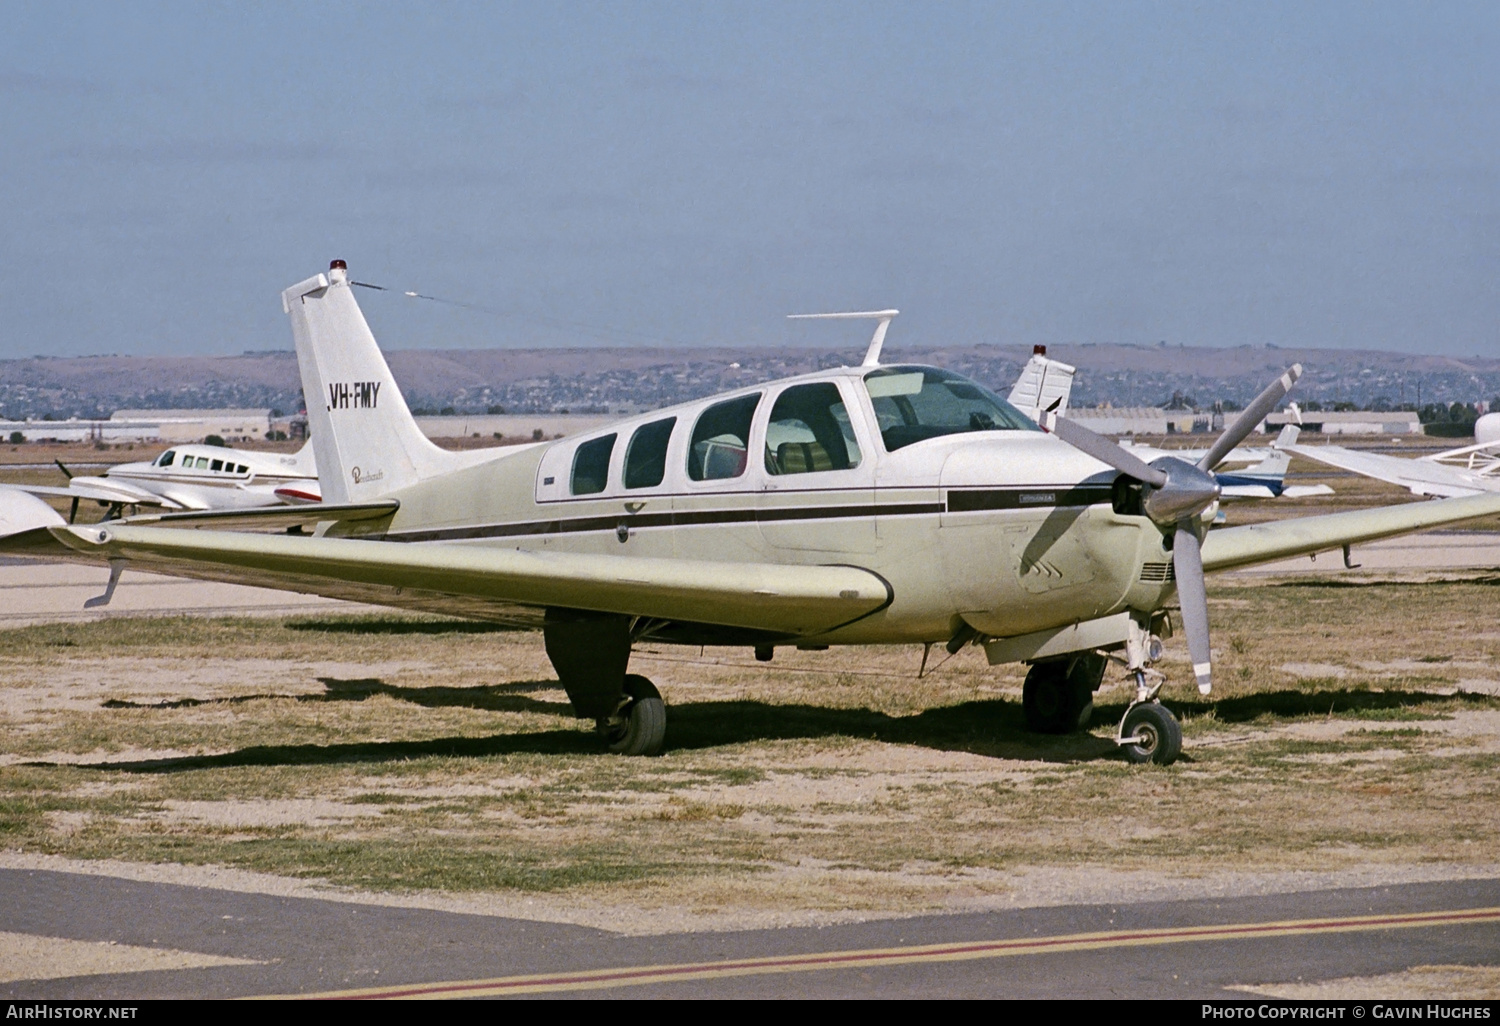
(505, 585)
(102, 489)
(1420, 476)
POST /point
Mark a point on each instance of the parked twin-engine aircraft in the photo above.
(1467, 470)
(877, 504)
(195, 477)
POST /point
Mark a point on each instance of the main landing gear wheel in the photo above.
(639, 726)
(1058, 697)
(1157, 737)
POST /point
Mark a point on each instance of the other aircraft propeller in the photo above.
(1174, 495)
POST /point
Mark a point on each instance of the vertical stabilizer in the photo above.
(363, 436)
(1043, 381)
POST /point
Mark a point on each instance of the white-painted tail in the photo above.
(1043, 381)
(363, 436)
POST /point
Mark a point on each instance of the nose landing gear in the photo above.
(1148, 731)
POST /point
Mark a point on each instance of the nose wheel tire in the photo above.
(1156, 735)
(639, 726)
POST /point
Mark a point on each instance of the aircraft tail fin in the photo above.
(1043, 381)
(362, 434)
(1288, 436)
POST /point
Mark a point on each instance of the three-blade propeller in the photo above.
(1174, 495)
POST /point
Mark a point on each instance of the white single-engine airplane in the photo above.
(860, 505)
(195, 477)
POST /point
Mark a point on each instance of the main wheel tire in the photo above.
(1055, 700)
(1160, 736)
(642, 725)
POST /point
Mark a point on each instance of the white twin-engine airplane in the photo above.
(861, 505)
(195, 477)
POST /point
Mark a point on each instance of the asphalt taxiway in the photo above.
(218, 943)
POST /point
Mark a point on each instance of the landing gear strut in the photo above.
(1148, 731)
(1058, 696)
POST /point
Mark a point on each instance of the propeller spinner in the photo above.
(1174, 494)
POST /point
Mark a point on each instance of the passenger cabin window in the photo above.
(591, 465)
(646, 456)
(810, 431)
(913, 404)
(721, 440)
(242, 469)
(216, 465)
(202, 463)
(165, 459)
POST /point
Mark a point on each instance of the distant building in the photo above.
(147, 426)
(1141, 420)
(510, 425)
(1350, 422)
(195, 425)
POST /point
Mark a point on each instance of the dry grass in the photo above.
(1355, 726)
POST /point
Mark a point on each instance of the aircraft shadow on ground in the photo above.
(993, 728)
(1329, 584)
(387, 626)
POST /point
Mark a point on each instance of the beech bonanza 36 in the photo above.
(860, 505)
(195, 477)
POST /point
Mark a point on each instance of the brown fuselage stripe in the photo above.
(959, 501)
(642, 975)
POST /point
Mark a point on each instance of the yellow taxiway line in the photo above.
(636, 976)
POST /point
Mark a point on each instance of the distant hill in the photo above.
(630, 378)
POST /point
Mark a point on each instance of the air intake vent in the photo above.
(1158, 572)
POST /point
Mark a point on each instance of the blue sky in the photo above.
(1211, 174)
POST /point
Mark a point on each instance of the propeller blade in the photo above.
(66, 472)
(1102, 449)
(1187, 562)
(1252, 415)
(73, 510)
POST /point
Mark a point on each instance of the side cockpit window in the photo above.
(721, 440)
(646, 456)
(591, 465)
(809, 431)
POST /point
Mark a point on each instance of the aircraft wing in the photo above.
(103, 490)
(1421, 477)
(1232, 547)
(483, 582)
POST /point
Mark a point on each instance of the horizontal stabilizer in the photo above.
(270, 518)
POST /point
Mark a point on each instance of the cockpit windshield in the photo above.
(913, 404)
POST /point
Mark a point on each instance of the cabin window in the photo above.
(165, 459)
(591, 465)
(721, 440)
(913, 404)
(242, 469)
(202, 463)
(646, 456)
(810, 431)
(216, 465)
